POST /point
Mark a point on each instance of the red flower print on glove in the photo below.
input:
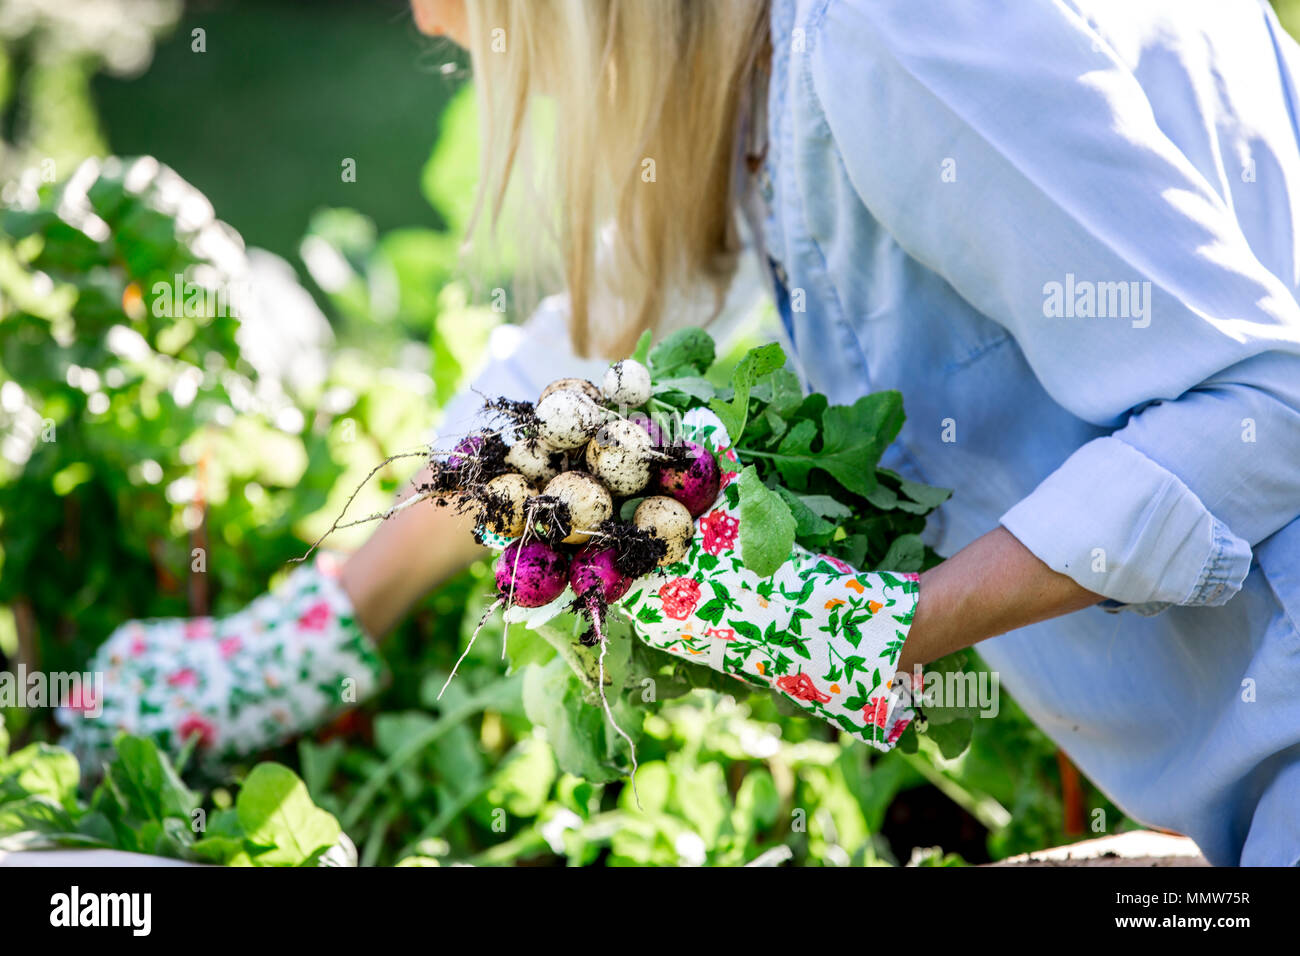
(315, 617)
(836, 563)
(875, 711)
(679, 597)
(721, 633)
(720, 530)
(229, 646)
(898, 730)
(198, 628)
(195, 725)
(186, 677)
(801, 687)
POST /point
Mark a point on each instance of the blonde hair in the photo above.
(644, 104)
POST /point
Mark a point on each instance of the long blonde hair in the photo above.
(644, 100)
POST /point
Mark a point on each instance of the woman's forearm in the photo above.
(408, 555)
(993, 585)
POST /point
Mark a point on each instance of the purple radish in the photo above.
(466, 449)
(532, 574)
(694, 483)
(594, 576)
(657, 437)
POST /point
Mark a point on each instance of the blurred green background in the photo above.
(127, 441)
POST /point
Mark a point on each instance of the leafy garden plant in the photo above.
(141, 805)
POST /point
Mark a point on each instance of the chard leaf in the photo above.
(276, 812)
(794, 456)
(691, 386)
(809, 526)
(642, 351)
(766, 525)
(757, 362)
(927, 495)
(854, 437)
(906, 553)
(686, 352)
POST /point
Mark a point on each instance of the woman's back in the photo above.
(1066, 233)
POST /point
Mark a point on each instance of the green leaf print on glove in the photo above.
(812, 629)
(235, 685)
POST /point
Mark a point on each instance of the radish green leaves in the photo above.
(812, 469)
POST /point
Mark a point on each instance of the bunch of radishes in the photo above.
(574, 461)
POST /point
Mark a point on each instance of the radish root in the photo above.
(604, 700)
(481, 621)
(338, 522)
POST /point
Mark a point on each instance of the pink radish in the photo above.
(594, 575)
(694, 481)
(532, 574)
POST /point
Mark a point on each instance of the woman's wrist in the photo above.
(993, 585)
(409, 555)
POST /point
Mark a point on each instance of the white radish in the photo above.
(621, 455)
(667, 520)
(572, 385)
(567, 418)
(532, 459)
(627, 383)
(503, 503)
(588, 501)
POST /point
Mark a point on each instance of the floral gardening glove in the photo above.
(819, 632)
(240, 683)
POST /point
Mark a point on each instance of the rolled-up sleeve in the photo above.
(1009, 149)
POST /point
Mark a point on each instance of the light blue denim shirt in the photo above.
(1065, 230)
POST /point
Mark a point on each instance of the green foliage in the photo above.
(142, 806)
(758, 362)
(812, 470)
(767, 528)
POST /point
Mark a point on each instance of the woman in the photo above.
(1064, 231)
